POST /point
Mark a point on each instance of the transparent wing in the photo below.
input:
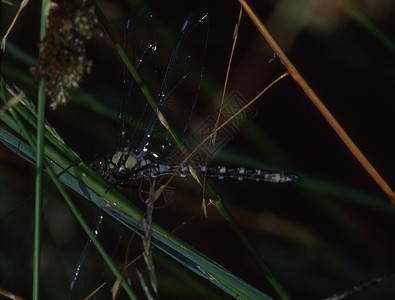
(141, 45)
(91, 271)
(181, 83)
(176, 93)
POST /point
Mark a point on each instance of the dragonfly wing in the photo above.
(141, 46)
(91, 270)
(181, 82)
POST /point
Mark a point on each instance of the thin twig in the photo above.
(4, 41)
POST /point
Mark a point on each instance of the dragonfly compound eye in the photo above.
(116, 157)
(130, 161)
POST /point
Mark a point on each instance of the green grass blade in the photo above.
(39, 190)
(39, 164)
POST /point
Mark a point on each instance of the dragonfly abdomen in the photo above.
(222, 172)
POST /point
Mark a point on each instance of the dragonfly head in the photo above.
(117, 166)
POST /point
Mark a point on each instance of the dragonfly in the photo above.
(144, 146)
(145, 149)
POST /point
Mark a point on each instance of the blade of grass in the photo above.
(39, 163)
(38, 191)
(319, 104)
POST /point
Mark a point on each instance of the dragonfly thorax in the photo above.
(125, 167)
(122, 160)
